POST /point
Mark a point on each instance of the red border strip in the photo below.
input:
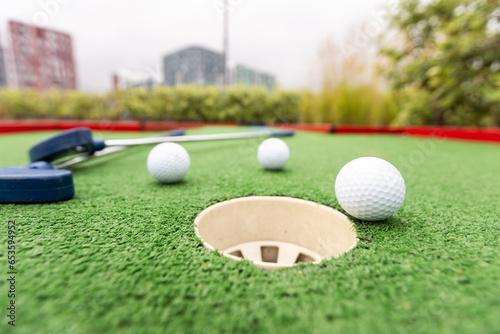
(346, 129)
(465, 133)
(9, 126)
(164, 126)
(325, 128)
(487, 134)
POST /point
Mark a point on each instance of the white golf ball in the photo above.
(168, 162)
(370, 189)
(273, 154)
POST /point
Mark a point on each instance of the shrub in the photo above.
(446, 61)
(180, 103)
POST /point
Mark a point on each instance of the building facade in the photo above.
(43, 58)
(3, 70)
(242, 75)
(194, 65)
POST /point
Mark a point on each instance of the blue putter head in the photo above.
(74, 141)
(283, 133)
(177, 132)
(38, 182)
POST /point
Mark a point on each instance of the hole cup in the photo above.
(275, 232)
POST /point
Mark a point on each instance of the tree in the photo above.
(445, 67)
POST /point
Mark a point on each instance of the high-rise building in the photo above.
(194, 65)
(242, 75)
(3, 71)
(43, 58)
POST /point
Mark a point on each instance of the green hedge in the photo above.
(344, 104)
(181, 103)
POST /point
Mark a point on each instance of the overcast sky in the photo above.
(278, 36)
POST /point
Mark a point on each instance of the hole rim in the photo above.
(269, 265)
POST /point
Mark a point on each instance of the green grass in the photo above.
(122, 256)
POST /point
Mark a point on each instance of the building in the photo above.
(242, 75)
(3, 70)
(194, 65)
(43, 58)
(127, 78)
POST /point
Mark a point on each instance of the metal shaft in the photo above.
(143, 141)
(82, 158)
(105, 151)
(117, 145)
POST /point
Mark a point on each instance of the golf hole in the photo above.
(275, 232)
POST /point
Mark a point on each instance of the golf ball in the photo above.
(273, 154)
(168, 162)
(370, 189)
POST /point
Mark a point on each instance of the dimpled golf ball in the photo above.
(273, 154)
(168, 162)
(370, 189)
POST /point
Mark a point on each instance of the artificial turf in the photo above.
(122, 256)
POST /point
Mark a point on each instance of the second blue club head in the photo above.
(74, 141)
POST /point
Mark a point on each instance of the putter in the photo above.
(43, 182)
(80, 140)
